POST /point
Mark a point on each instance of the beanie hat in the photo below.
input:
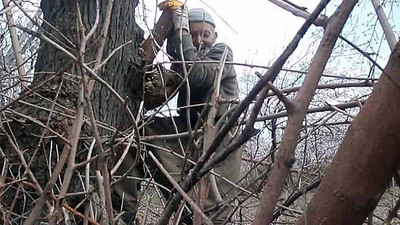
(200, 15)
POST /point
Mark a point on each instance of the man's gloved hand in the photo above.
(158, 86)
(180, 16)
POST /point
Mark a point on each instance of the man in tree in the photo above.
(193, 39)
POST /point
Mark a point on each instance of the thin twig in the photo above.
(286, 101)
(21, 158)
(111, 55)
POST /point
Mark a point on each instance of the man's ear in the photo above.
(215, 36)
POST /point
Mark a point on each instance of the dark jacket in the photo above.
(201, 76)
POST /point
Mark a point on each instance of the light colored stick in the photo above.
(342, 111)
(320, 21)
(87, 176)
(102, 195)
(16, 46)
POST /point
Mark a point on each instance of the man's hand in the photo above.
(180, 16)
(170, 4)
(158, 86)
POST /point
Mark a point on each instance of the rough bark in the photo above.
(118, 71)
(366, 160)
(122, 72)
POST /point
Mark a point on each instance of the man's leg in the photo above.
(229, 169)
(125, 192)
(167, 153)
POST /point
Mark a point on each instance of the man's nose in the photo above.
(197, 40)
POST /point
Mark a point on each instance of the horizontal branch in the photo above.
(346, 105)
(264, 67)
(328, 86)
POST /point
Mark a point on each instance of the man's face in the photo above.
(202, 34)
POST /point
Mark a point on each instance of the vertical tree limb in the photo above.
(102, 194)
(78, 122)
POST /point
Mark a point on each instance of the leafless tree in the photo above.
(65, 130)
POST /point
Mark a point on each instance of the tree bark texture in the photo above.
(40, 147)
(366, 160)
(121, 72)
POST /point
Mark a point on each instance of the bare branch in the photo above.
(321, 21)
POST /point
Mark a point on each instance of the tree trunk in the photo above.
(366, 160)
(120, 72)
(53, 102)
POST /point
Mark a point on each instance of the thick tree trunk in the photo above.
(119, 71)
(366, 160)
(21, 130)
